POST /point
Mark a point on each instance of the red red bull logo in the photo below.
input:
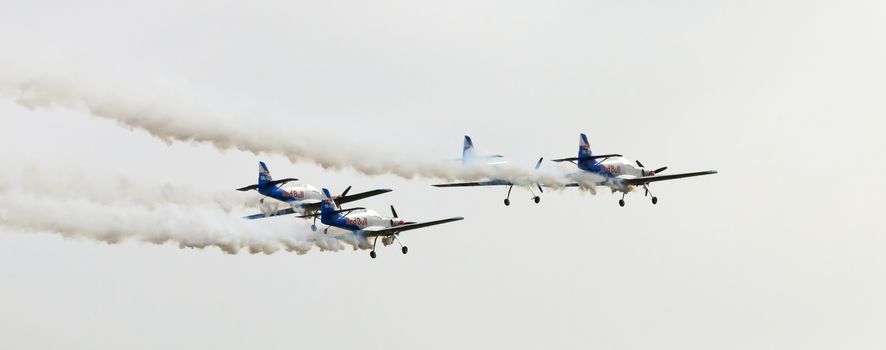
(612, 169)
(294, 194)
(361, 222)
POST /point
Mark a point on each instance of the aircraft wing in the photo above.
(648, 179)
(355, 197)
(387, 231)
(586, 158)
(286, 211)
(479, 183)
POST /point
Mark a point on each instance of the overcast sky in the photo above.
(783, 249)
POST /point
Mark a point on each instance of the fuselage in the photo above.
(293, 194)
(356, 221)
(360, 219)
(612, 170)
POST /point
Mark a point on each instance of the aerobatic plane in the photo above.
(366, 224)
(618, 173)
(302, 198)
(469, 157)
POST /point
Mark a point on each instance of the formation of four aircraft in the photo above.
(610, 170)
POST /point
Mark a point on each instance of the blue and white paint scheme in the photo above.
(617, 172)
(301, 198)
(365, 224)
(469, 157)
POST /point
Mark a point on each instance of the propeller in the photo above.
(537, 165)
(345, 193)
(656, 171)
(394, 212)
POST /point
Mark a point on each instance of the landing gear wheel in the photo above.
(507, 202)
(654, 200)
(536, 199)
(314, 228)
(404, 249)
(621, 202)
(372, 254)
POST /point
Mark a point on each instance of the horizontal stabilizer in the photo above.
(248, 188)
(281, 181)
(269, 183)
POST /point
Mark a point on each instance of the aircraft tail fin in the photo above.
(585, 156)
(468, 149)
(264, 175)
(328, 205)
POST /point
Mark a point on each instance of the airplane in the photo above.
(619, 173)
(365, 224)
(469, 156)
(302, 199)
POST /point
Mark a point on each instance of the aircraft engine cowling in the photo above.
(387, 240)
(268, 208)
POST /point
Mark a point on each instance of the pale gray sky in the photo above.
(783, 249)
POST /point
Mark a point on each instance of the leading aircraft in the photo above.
(469, 157)
(365, 224)
(302, 198)
(618, 173)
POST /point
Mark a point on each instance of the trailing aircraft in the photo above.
(302, 198)
(618, 173)
(366, 224)
(469, 157)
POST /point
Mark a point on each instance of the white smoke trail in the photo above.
(172, 112)
(191, 219)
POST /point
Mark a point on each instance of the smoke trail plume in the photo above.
(172, 112)
(190, 219)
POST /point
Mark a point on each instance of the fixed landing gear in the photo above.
(621, 202)
(648, 192)
(404, 249)
(314, 228)
(535, 198)
(402, 246)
